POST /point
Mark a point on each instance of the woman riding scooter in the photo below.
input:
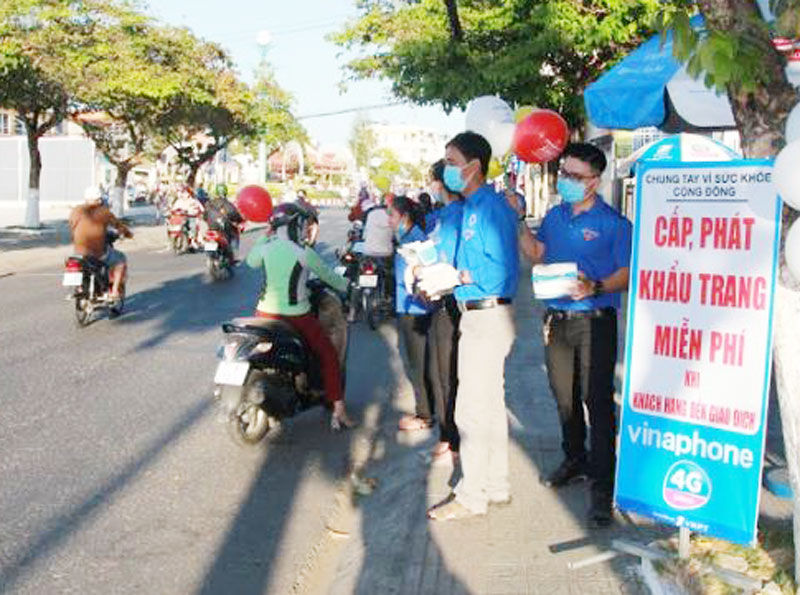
(286, 259)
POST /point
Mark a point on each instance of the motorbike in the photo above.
(91, 286)
(349, 265)
(267, 373)
(178, 231)
(375, 290)
(219, 254)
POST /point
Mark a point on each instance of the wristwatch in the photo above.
(598, 288)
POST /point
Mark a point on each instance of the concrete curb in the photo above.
(323, 557)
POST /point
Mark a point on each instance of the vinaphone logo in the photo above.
(686, 486)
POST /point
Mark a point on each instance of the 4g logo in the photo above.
(686, 486)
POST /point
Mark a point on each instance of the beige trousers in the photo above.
(485, 342)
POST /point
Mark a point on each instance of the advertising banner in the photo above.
(699, 345)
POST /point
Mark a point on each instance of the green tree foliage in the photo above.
(277, 124)
(527, 51)
(150, 69)
(44, 46)
(734, 53)
(213, 109)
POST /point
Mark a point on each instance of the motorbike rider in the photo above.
(186, 202)
(313, 223)
(222, 216)
(379, 241)
(89, 225)
(287, 259)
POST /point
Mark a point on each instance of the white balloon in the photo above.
(786, 174)
(792, 250)
(793, 125)
(493, 119)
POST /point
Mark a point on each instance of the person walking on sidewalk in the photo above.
(580, 330)
(487, 261)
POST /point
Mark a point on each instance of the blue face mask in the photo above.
(453, 178)
(401, 230)
(571, 191)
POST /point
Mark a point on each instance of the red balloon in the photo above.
(540, 136)
(254, 203)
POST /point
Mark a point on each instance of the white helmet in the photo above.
(92, 194)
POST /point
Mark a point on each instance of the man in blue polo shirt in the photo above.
(580, 330)
(487, 260)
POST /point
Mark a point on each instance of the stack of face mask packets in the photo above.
(433, 278)
(555, 280)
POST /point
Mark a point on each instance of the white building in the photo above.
(412, 144)
(70, 163)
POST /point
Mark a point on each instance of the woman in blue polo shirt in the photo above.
(413, 314)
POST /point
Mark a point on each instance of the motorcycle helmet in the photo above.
(295, 217)
(201, 195)
(221, 191)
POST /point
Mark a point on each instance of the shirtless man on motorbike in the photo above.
(89, 224)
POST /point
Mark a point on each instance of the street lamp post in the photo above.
(263, 39)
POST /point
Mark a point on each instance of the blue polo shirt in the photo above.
(406, 303)
(598, 240)
(445, 228)
(488, 247)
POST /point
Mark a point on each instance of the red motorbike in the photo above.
(219, 254)
(90, 282)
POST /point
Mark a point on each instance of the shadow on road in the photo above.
(247, 561)
(62, 527)
(395, 550)
(176, 305)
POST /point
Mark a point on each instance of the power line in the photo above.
(288, 30)
(349, 110)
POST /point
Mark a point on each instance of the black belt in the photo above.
(553, 314)
(483, 304)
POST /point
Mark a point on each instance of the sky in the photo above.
(305, 64)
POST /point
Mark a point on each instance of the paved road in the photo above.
(115, 476)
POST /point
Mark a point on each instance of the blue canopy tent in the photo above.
(649, 87)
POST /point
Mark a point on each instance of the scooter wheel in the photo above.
(83, 314)
(249, 425)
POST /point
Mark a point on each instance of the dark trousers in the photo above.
(581, 354)
(414, 331)
(443, 353)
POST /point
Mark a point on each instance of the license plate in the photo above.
(368, 280)
(210, 246)
(72, 279)
(175, 227)
(231, 373)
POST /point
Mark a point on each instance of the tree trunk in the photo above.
(456, 33)
(34, 174)
(118, 196)
(193, 169)
(760, 117)
(787, 381)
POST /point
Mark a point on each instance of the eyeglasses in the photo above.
(570, 175)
